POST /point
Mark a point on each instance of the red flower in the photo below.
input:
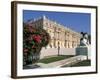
(37, 38)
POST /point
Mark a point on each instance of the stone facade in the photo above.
(62, 37)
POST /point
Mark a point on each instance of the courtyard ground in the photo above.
(60, 61)
(54, 58)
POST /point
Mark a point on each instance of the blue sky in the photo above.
(77, 21)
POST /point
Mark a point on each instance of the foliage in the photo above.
(33, 40)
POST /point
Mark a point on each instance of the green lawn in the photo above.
(54, 58)
(82, 63)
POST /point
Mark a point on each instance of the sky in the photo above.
(79, 22)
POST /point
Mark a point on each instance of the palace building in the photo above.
(61, 36)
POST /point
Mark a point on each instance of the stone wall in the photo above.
(63, 51)
(54, 51)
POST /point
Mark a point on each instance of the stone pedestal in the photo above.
(83, 50)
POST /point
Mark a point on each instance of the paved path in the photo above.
(60, 63)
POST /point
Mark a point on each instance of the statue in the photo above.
(84, 47)
(84, 41)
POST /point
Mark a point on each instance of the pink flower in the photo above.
(25, 50)
(37, 38)
(30, 28)
(33, 46)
